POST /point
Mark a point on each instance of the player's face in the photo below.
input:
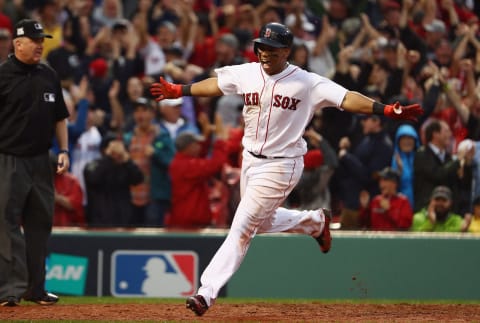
(273, 60)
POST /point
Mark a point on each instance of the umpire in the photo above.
(32, 111)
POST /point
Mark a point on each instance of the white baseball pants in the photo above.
(264, 185)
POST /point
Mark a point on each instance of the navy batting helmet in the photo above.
(275, 35)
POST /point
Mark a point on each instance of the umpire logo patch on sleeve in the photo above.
(49, 97)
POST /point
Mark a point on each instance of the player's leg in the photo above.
(309, 222)
(314, 223)
(265, 185)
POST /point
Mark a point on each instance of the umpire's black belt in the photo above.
(263, 156)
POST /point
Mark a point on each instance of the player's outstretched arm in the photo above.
(359, 103)
(166, 90)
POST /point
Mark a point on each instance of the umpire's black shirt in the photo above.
(31, 103)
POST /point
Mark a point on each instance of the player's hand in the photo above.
(165, 90)
(408, 112)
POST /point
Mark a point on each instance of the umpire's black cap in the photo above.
(29, 28)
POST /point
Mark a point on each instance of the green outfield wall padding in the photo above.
(362, 266)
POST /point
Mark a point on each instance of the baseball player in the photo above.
(279, 101)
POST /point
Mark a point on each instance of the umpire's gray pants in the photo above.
(26, 199)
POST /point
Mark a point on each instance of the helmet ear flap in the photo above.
(255, 48)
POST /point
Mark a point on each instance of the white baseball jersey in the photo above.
(278, 108)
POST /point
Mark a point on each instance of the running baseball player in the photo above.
(279, 102)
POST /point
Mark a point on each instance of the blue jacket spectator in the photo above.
(405, 146)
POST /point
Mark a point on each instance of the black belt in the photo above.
(263, 156)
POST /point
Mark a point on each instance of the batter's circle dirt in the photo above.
(251, 312)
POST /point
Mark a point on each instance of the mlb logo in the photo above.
(150, 273)
(49, 97)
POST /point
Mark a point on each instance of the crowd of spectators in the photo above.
(122, 143)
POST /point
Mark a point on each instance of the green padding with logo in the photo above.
(361, 266)
(66, 274)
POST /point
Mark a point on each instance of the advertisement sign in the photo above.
(66, 274)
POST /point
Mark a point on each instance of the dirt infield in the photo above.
(251, 312)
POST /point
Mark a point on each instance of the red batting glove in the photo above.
(165, 90)
(397, 111)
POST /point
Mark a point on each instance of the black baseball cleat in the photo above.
(45, 299)
(10, 301)
(324, 240)
(197, 304)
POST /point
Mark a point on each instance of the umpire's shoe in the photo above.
(10, 301)
(325, 239)
(197, 304)
(45, 299)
